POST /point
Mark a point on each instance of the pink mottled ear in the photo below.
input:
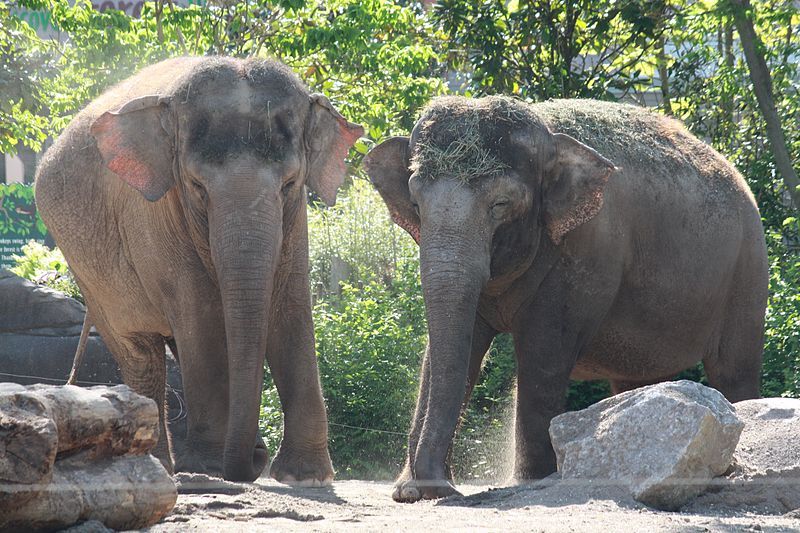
(387, 167)
(135, 146)
(330, 137)
(573, 190)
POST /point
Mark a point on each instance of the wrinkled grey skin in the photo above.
(178, 200)
(628, 266)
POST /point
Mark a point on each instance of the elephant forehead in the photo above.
(216, 134)
(242, 97)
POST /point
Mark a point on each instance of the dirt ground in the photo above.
(207, 504)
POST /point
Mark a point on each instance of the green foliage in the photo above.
(25, 61)
(331, 45)
(369, 341)
(17, 213)
(780, 373)
(355, 241)
(713, 94)
(552, 48)
(47, 267)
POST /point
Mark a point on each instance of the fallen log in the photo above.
(28, 439)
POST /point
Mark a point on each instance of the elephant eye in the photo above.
(500, 208)
(416, 208)
(198, 187)
(287, 186)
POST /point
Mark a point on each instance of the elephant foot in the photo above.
(413, 490)
(190, 461)
(302, 469)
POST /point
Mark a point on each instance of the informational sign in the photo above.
(19, 221)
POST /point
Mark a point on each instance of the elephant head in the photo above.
(230, 146)
(482, 186)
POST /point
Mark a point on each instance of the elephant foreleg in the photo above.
(549, 336)
(482, 337)
(303, 457)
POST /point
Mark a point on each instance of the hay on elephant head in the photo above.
(451, 137)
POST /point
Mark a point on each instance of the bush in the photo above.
(370, 340)
(357, 235)
(780, 372)
(46, 267)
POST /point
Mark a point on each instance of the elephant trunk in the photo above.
(245, 248)
(454, 271)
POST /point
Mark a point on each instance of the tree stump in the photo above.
(70, 454)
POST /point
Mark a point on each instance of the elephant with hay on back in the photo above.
(610, 242)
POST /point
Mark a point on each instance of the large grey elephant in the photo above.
(610, 242)
(178, 199)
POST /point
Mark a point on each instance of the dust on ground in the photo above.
(209, 504)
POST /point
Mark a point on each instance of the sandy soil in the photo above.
(208, 504)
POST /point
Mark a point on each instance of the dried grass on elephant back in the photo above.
(457, 137)
(632, 136)
(453, 136)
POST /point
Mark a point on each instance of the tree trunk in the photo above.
(762, 85)
(663, 74)
(103, 421)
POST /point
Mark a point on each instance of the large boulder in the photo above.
(664, 442)
(765, 477)
(26, 306)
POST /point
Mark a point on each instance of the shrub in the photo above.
(780, 372)
(47, 267)
(370, 340)
(358, 235)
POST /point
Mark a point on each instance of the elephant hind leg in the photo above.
(142, 362)
(618, 386)
(734, 368)
(145, 371)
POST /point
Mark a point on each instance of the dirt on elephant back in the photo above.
(208, 504)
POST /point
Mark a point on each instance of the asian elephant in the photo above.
(610, 242)
(178, 199)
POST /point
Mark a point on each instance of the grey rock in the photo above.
(769, 442)
(39, 332)
(664, 442)
(25, 306)
(765, 477)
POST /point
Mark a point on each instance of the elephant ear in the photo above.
(573, 189)
(135, 145)
(330, 137)
(387, 167)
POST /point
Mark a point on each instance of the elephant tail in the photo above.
(81, 349)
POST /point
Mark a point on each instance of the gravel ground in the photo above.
(208, 504)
